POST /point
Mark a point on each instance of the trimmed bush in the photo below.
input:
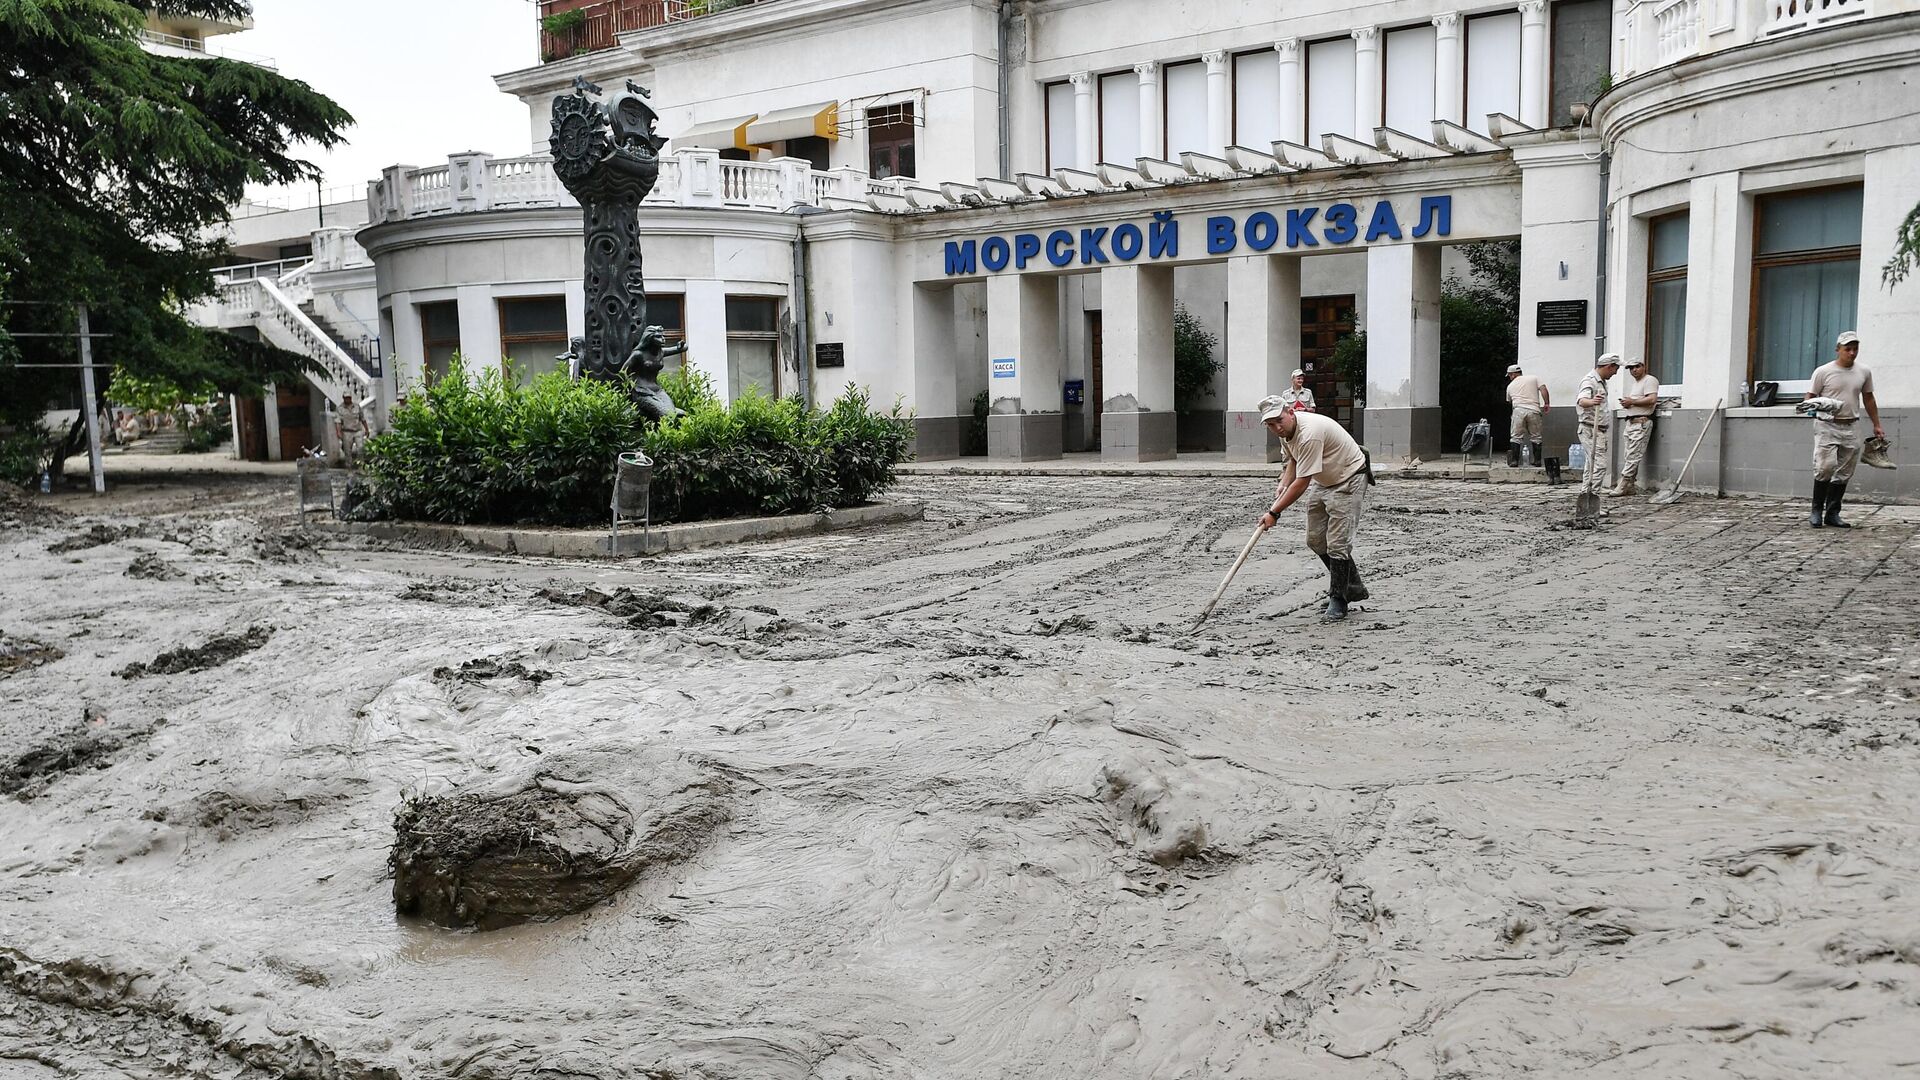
(485, 449)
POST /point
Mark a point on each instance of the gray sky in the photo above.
(417, 75)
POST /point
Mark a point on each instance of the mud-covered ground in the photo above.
(1637, 801)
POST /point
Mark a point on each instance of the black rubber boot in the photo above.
(1836, 490)
(1539, 460)
(1818, 517)
(1356, 589)
(1513, 455)
(1339, 571)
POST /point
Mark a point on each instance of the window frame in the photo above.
(1803, 257)
(500, 305)
(428, 342)
(772, 335)
(1233, 91)
(1166, 111)
(1662, 276)
(1046, 108)
(899, 110)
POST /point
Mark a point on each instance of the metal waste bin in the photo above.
(632, 496)
(316, 486)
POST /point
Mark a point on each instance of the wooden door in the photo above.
(1324, 320)
(1096, 392)
(296, 423)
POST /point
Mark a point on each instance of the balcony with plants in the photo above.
(578, 27)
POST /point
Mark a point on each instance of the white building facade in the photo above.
(939, 199)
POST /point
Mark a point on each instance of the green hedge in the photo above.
(483, 448)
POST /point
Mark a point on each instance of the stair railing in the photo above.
(337, 362)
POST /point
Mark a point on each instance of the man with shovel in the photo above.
(1836, 443)
(1596, 422)
(1331, 472)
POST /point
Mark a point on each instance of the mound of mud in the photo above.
(151, 567)
(572, 833)
(215, 652)
(287, 545)
(18, 510)
(229, 813)
(95, 536)
(28, 771)
(642, 610)
(19, 654)
(483, 669)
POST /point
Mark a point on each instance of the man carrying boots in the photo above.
(1836, 444)
(1331, 472)
(1530, 401)
(1596, 422)
(1637, 401)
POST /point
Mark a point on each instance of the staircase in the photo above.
(164, 441)
(363, 348)
(280, 309)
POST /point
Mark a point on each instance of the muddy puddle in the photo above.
(966, 799)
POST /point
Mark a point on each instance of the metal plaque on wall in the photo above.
(829, 354)
(1560, 317)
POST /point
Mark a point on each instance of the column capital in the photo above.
(1288, 48)
(1533, 11)
(1364, 37)
(1447, 22)
(1147, 70)
(1216, 60)
(1082, 82)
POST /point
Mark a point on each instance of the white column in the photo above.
(1152, 128)
(1023, 352)
(1889, 320)
(1219, 103)
(270, 401)
(1533, 63)
(1366, 82)
(1263, 346)
(1086, 131)
(1403, 350)
(1448, 78)
(1137, 422)
(1293, 92)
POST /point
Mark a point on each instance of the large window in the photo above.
(890, 141)
(668, 311)
(1062, 146)
(439, 337)
(1667, 298)
(753, 344)
(533, 332)
(1806, 279)
(1120, 117)
(1185, 90)
(813, 148)
(1409, 80)
(1582, 39)
(1493, 68)
(1256, 99)
(1330, 75)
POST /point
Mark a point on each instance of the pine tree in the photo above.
(117, 167)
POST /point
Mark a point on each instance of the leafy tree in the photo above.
(116, 170)
(1906, 251)
(1194, 365)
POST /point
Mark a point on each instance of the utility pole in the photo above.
(90, 404)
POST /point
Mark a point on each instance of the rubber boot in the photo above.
(1513, 455)
(1539, 460)
(1836, 490)
(1356, 589)
(1339, 570)
(1818, 517)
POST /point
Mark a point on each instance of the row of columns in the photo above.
(1449, 79)
(1137, 421)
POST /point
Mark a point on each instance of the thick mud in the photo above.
(967, 799)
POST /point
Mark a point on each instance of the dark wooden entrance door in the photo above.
(296, 423)
(1324, 320)
(1096, 393)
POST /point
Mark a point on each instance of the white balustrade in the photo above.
(753, 184)
(530, 181)
(429, 191)
(1676, 29)
(1786, 16)
(666, 187)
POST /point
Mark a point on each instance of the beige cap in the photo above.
(1847, 337)
(1608, 358)
(1272, 407)
(1513, 369)
(1636, 362)
(1297, 373)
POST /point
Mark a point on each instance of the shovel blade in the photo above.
(1586, 505)
(1667, 497)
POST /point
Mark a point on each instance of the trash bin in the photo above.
(316, 486)
(632, 496)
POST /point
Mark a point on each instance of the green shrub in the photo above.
(977, 427)
(23, 454)
(485, 449)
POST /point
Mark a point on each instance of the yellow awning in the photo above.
(822, 120)
(717, 135)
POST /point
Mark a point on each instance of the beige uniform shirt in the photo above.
(1594, 386)
(1301, 399)
(1842, 384)
(353, 419)
(1640, 387)
(1322, 449)
(1523, 392)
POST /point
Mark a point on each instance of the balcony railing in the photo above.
(198, 47)
(1790, 15)
(1676, 30)
(694, 178)
(1661, 32)
(570, 28)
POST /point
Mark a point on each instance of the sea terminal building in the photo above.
(940, 198)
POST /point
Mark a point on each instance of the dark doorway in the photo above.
(1096, 390)
(1324, 320)
(296, 422)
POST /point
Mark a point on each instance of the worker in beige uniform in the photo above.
(1596, 422)
(1530, 401)
(1327, 469)
(350, 430)
(1297, 396)
(1836, 442)
(1637, 399)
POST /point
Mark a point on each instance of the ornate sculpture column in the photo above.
(1448, 77)
(1293, 92)
(1533, 63)
(1086, 135)
(1219, 104)
(608, 156)
(1366, 82)
(1152, 129)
